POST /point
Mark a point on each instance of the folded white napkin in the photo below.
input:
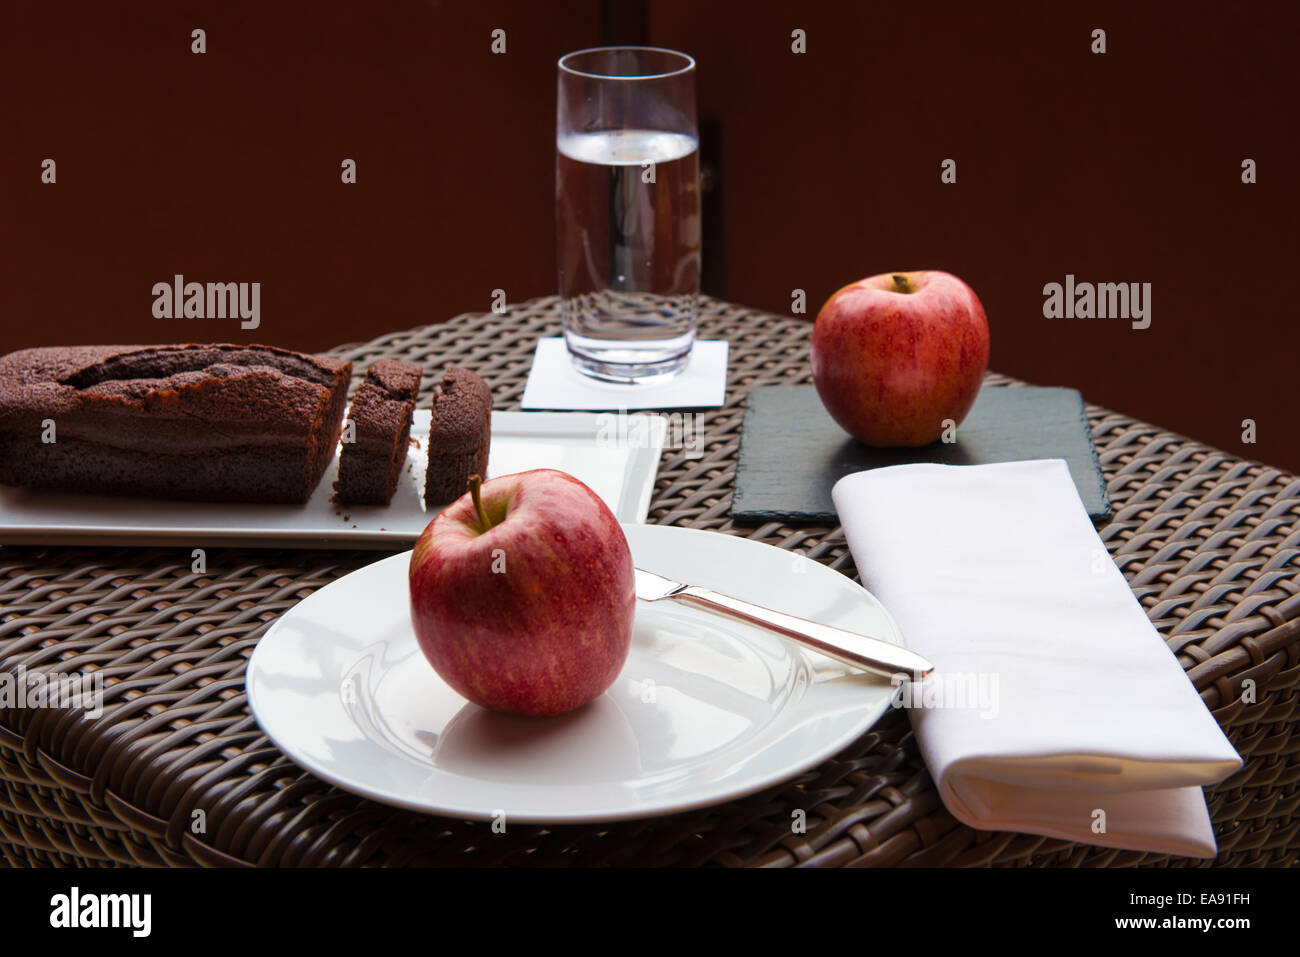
(1055, 707)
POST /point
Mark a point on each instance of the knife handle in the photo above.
(859, 651)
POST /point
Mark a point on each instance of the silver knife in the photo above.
(859, 651)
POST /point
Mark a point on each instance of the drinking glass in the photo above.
(627, 211)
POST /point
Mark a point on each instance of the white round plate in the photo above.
(706, 709)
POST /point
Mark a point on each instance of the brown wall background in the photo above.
(1119, 167)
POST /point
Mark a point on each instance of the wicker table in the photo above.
(176, 771)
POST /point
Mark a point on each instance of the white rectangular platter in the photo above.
(619, 460)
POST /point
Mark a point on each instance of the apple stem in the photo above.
(901, 284)
(474, 482)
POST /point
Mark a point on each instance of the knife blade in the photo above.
(859, 651)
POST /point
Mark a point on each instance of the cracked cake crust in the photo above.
(216, 422)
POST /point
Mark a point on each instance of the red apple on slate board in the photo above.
(895, 355)
(523, 594)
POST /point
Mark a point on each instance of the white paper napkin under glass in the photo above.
(554, 383)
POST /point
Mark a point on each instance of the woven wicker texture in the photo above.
(177, 772)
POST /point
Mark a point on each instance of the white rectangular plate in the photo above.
(619, 460)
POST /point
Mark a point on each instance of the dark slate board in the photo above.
(792, 451)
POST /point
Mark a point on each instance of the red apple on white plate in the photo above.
(896, 355)
(523, 594)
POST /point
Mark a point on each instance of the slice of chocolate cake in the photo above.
(380, 418)
(459, 435)
(218, 423)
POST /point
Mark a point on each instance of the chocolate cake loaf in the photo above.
(459, 435)
(220, 423)
(381, 411)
